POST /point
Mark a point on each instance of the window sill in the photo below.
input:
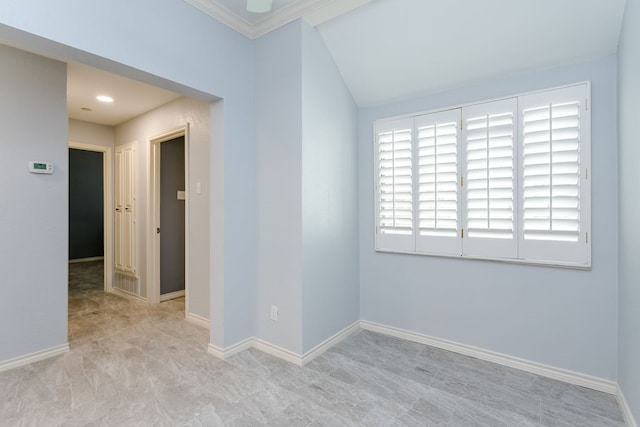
(530, 262)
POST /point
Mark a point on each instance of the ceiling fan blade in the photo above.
(259, 6)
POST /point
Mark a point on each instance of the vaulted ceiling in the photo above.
(388, 50)
(394, 49)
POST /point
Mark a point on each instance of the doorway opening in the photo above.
(90, 213)
(169, 224)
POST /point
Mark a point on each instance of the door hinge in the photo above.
(461, 124)
(462, 233)
(586, 104)
(586, 238)
(586, 173)
(462, 181)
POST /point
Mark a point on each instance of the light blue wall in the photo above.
(177, 47)
(278, 133)
(559, 317)
(330, 294)
(629, 155)
(34, 208)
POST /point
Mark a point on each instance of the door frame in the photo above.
(107, 195)
(153, 214)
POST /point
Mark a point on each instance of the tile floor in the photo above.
(132, 364)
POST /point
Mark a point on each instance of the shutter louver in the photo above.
(438, 205)
(394, 146)
(438, 177)
(551, 158)
(489, 176)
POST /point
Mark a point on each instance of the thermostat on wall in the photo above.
(40, 167)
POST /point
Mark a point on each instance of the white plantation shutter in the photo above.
(437, 138)
(394, 146)
(503, 180)
(489, 179)
(554, 185)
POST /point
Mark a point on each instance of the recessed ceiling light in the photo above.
(104, 98)
(86, 109)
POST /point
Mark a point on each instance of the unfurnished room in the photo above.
(319, 212)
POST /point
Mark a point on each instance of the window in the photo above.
(504, 180)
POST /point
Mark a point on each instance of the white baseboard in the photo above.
(624, 407)
(225, 353)
(197, 320)
(27, 359)
(330, 342)
(93, 258)
(559, 374)
(276, 351)
(279, 352)
(128, 294)
(172, 295)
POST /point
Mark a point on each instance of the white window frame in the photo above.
(575, 255)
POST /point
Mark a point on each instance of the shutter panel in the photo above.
(489, 173)
(555, 148)
(394, 166)
(438, 205)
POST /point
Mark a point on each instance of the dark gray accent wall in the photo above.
(172, 216)
(86, 199)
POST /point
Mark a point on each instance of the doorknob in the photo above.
(157, 230)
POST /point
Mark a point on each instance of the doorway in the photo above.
(169, 206)
(172, 219)
(90, 213)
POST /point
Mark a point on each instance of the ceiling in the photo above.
(131, 98)
(394, 49)
(388, 50)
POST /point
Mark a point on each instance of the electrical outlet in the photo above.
(274, 313)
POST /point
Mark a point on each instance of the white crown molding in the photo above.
(223, 15)
(332, 10)
(288, 14)
(315, 12)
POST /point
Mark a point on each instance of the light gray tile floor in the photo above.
(132, 364)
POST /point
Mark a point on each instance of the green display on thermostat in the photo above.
(40, 166)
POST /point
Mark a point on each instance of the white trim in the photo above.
(332, 10)
(330, 342)
(224, 15)
(197, 320)
(281, 353)
(564, 375)
(27, 359)
(289, 14)
(559, 374)
(315, 12)
(90, 259)
(624, 407)
(153, 213)
(127, 294)
(276, 351)
(472, 103)
(225, 353)
(172, 295)
(108, 207)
